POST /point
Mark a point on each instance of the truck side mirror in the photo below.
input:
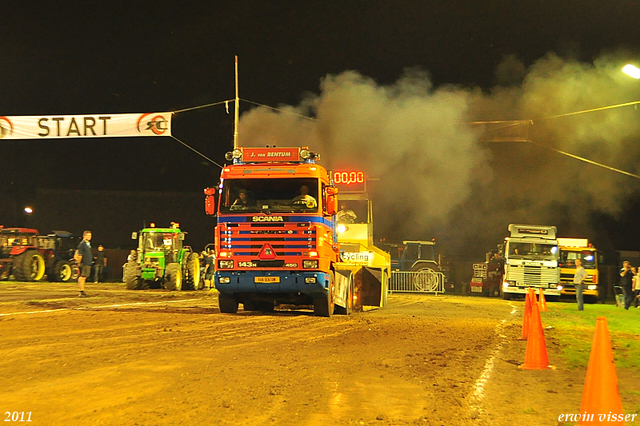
(134, 235)
(332, 204)
(332, 200)
(210, 205)
(210, 201)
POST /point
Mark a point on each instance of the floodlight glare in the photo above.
(631, 71)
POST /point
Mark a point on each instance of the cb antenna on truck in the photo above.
(237, 111)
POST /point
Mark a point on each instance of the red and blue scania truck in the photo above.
(276, 236)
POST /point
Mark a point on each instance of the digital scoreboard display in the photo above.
(349, 181)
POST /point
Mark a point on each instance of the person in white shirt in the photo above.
(578, 282)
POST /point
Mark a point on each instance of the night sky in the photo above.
(130, 57)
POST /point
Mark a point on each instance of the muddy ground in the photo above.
(124, 357)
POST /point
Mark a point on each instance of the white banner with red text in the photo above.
(85, 126)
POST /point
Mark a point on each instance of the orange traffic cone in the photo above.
(527, 316)
(542, 301)
(536, 356)
(600, 396)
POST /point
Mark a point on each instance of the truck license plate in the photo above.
(267, 280)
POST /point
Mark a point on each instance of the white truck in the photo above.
(531, 260)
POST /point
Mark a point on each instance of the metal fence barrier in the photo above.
(425, 281)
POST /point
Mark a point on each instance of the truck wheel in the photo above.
(228, 304)
(323, 306)
(29, 266)
(590, 299)
(192, 272)
(61, 272)
(133, 276)
(173, 277)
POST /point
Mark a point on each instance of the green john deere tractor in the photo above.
(162, 261)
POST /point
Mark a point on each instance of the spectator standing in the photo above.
(636, 288)
(100, 263)
(578, 282)
(208, 268)
(626, 281)
(84, 258)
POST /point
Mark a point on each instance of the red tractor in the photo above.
(21, 255)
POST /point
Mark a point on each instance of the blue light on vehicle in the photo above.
(554, 250)
(588, 258)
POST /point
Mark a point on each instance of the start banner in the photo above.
(85, 126)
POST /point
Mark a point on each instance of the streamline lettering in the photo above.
(267, 219)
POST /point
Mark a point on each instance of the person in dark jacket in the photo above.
(626, 281)
(101, 262)
(84, 257)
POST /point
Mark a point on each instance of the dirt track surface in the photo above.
(123, 357)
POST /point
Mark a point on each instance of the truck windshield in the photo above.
(537, 250)
(568, 258)
(297, 195)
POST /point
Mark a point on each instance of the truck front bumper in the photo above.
(570, 290)
(549, 291)
(312, 283)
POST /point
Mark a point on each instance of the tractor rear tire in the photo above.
(173, 276)
(61, 272)
(192, 272)
(133, 276)
(29, 266)
(423, 279)
(228, 304)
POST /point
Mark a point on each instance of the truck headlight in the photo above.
(310, 264)
(505, 284)
(224, 280)
(225, 264)
(310, 280)
(560, 287)
(592, 287)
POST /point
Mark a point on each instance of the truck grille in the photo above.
(534, 276)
